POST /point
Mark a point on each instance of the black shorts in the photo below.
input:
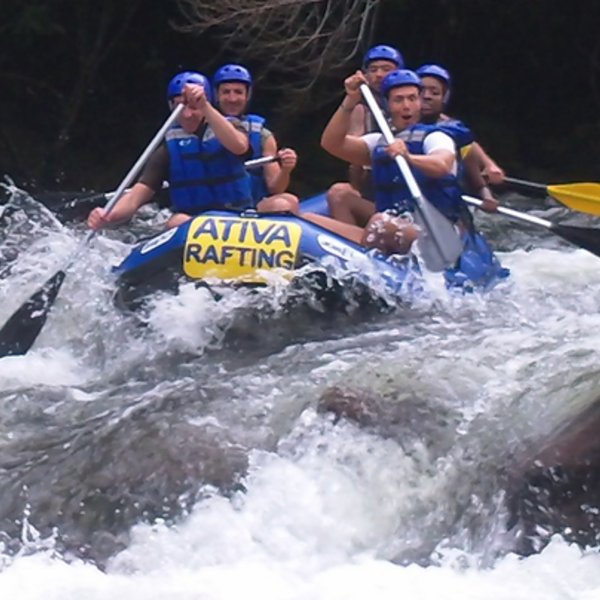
(367, 188)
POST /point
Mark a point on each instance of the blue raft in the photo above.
(477, 267)
(250, 248)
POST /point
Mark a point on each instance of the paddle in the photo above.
(587, 238)
(439, 243)
(253, 163)
(73, 206)
(22, 328)
(584, 197)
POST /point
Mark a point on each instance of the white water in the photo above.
(323, 512)
(221, 552)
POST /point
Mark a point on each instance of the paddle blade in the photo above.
(584, 237)
(584, 197)
(439, 243)
(21, 330)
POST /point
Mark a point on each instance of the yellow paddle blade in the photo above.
(584, 197)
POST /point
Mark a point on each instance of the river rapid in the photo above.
(184, 452)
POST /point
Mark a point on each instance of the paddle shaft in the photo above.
(587, 238)
(141, 161)
(515, 214)
(540, 187)
(260, 161)
(131, 175)
(254, 163)
(583, 196)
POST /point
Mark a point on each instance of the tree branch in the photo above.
(298, 41)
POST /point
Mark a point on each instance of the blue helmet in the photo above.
(232, 73)
(383, 53)
(176, 85)
(435, 71)
(439, 73)
(399, 78)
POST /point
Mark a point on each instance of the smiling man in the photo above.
(233, 89)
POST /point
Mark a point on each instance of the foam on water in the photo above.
(287, 540)
(49, 367)
(325, 507)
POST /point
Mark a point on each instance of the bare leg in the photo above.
(177, 219)
(348, 206)
(284, 202)
(351, 232)
(390, 234)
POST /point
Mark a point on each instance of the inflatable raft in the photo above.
(250, 248)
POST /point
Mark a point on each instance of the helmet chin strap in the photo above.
(446, 97)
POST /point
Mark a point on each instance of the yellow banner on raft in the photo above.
(238, 247)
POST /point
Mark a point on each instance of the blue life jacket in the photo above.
(463, 138)
(204, 174)
(254, 124)
(477, 267)
(458, 131)
(391, 190)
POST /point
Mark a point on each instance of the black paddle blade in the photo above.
(21, 330)
(587, 238)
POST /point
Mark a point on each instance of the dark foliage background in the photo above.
(83, 84)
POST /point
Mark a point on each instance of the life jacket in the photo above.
(204, 174)
(458, 131)
(254, 125)
(391, 190)
(463, 138)
(477, 267)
